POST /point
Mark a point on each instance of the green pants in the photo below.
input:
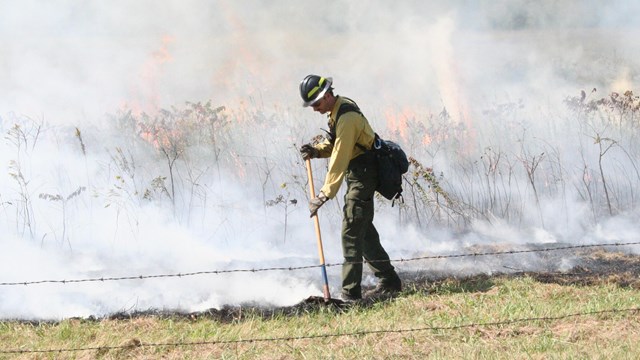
(360, 239)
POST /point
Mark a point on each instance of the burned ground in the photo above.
(596, 267)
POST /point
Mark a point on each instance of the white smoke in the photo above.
(73, 213)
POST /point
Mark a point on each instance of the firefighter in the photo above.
(350, 138)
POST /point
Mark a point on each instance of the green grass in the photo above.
(445, 313)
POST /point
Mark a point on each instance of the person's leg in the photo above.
(353, 230)
(378, 260)
(358, 215)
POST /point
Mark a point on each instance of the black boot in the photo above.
(349, 298)
(389, 286)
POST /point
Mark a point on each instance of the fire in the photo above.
(144, 91)
(448, 77)
(622, 82)
(398, 122)
(243, 59)
(412, 123)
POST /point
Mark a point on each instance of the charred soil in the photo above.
(596, 267)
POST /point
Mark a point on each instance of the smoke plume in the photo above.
(158, 138)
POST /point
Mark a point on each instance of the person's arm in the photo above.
(347, 131)
(324, 149)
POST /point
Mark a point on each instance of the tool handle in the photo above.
(316, 221)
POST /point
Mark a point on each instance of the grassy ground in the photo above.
(500, 317)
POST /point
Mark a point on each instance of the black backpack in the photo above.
(392, 160)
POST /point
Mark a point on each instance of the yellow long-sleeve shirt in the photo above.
(353, 128)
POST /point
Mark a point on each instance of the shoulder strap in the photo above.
(346, 107)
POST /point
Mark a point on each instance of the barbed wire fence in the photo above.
(327, 335)
(305, 267)
(140, 344)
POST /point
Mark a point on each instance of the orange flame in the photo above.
(145, 95)
(397, 122)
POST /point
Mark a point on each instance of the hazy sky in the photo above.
(71, 60)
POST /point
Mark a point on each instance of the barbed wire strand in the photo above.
(294, 268)
(324, 336)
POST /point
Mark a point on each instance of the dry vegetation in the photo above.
(589, 311)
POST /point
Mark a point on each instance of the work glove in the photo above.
(316, 203)
(309, 152)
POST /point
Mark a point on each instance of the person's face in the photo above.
(322, 105)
